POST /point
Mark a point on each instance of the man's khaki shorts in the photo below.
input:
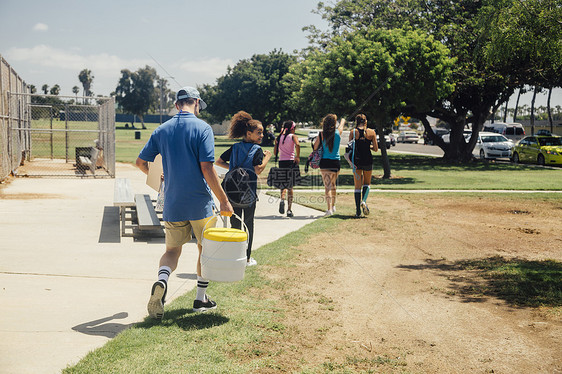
(179, 233)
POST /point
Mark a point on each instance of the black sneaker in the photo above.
(202, 306)
(282, 207)
(289, 213)
(157, 298)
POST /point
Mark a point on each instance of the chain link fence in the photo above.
(11, 146)
(63, 136)
(51, 135)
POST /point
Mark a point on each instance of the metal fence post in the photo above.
(51, 136)
(66, 132)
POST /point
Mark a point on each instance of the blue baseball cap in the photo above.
(190, 92)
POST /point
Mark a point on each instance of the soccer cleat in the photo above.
(365, 208)
(203, 306)
(251, 262)
(156, 302)
(282, 207)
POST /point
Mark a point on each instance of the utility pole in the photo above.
(161, 97)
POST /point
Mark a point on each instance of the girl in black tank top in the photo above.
(365, 140)
(363, 159)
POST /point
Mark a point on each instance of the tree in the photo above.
(525, 44)
(135, 92)
(32, 89)
(55, 90)
(45, 89)
(481, 84)
(164, 97)
(254, 85)
(390, 71)
(86, 78)
(75, 91)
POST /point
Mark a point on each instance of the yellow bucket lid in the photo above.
(222, 234)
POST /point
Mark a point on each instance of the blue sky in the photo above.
(50, 42)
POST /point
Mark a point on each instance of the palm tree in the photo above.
(549, 110)
(55, 90)
(45, 89)
(521, 90)
(75, 91)
(535, 91)
(86, 79)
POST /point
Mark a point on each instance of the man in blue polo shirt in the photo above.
(187, 146)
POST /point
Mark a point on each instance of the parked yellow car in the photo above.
(543, 150)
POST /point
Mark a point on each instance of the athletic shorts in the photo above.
(179, 233)
(330, 165)
(289, 174)
(368, 167)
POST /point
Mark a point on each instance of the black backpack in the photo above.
(237, 184)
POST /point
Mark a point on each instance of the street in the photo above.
(419, 149)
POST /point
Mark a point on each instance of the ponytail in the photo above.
(288, 126)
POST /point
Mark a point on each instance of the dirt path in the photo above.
(395, 292)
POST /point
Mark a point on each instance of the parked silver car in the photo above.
(492, 145)
(408, 137)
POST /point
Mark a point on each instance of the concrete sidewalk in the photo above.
(65, 290)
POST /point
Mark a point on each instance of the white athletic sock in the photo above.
(202, 284)
(164, 273)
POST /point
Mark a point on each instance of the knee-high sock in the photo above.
(202, 284)
(357, 202)
(164, 273)
(365, 192)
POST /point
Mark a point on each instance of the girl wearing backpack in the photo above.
(330, 139)
(250, 156)
(365, 140)
(288, 148)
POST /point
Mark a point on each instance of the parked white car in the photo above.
(312, 134)
(513, 131)
(466, 133)
(492, 145)
(408, 137)
(387, 140)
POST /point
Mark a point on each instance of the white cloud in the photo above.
(43, 55)
(63, 65)
(211, 67)
(40, 27)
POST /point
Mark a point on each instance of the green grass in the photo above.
(409, 171)
(223, 341)
(519, 281)
(57, 144)
(237, 337)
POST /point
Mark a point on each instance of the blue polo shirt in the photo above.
(183, 141)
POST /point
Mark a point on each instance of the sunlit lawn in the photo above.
(408, 171)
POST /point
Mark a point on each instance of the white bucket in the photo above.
(223, 257)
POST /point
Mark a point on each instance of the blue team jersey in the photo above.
(183, 141)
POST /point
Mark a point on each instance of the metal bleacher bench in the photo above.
(138, 206)
(87, 157)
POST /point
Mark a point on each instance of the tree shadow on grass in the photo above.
(185, 319)
(519, 282)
